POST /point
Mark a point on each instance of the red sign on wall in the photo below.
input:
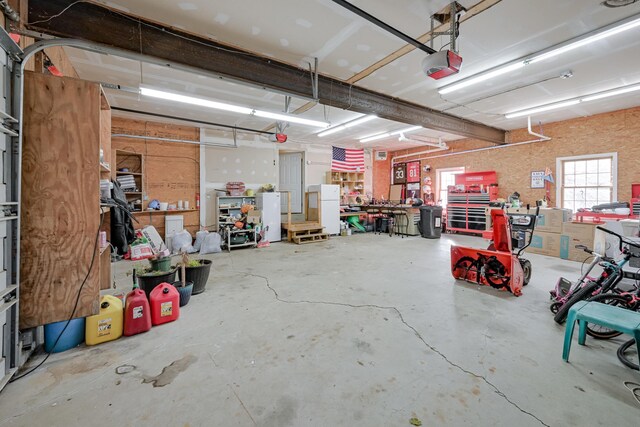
(413, 172)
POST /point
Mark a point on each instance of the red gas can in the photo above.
(165, 304)
(137, 315)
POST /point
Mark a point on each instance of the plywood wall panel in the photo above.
(60, 199)
(171, 170)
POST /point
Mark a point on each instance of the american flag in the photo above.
(347, 159)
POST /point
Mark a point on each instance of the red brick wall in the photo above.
(381, 177)
(618, 131)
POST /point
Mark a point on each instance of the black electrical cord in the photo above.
(622, 356)
(73, 312)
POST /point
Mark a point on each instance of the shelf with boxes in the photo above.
(351, 184)
(129, 174)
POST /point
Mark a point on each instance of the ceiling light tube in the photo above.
(574, 101)
(575, 43)
(406, 130)
(289, 118)
(170, 96)
(612, 92)
(194, 101)
(548, 107)
(504, 69)
(375, 137)
(346, 125)
(388, 134)
(578, 42)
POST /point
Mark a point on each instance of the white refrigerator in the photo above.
(269, 206)
(329, 206)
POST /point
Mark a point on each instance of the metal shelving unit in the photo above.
(229, 206)
(11, 151)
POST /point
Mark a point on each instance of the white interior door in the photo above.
(291, 181)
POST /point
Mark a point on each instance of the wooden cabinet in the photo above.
(60, 199)
(351, 184)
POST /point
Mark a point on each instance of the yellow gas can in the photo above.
(107, 325)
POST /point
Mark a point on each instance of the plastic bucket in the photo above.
(185, 292)
(148, 283)
(72, 336)
(198, 275)
(160, 264)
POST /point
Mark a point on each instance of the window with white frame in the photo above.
(445, 178)
(587, 181)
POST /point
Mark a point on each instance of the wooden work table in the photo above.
(401, 226)
(166, 212)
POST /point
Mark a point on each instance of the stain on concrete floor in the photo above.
(169, 373)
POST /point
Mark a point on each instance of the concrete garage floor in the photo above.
(365, 330)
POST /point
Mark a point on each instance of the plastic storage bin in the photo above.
(107, 325)
(165, 304)
(72, 336)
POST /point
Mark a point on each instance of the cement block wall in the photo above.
(617, 131)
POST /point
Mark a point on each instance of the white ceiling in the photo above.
(294, 31)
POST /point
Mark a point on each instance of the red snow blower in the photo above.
(500, 265)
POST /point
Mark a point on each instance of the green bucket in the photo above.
(160, 264)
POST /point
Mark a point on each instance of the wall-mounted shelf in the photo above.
(167, 212)
(351, 183)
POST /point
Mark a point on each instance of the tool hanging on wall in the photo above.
(548, 180)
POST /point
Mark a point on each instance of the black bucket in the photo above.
(147, 283)
(198, 275)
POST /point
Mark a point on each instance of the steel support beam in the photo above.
(106, 26)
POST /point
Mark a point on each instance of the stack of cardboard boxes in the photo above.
(557, 236)
(580, 233)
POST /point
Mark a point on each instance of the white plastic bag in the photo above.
(200, 235)
(211, 244)
(181, 242)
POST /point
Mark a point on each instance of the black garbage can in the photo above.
(431, 221)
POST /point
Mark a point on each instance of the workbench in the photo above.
(400, 227)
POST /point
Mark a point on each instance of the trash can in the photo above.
(431, 221)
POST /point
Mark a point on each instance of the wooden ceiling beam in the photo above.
(100, 24)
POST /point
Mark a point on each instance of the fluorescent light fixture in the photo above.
(289, 118)
(388, 134)
(583, 41)
(481, 77)
(347, 125)
(548, 107)
(405, 130)
(375, 137)
(194, 101)
(574, 101)
(612, 92)
(559, 49)
(170, 96)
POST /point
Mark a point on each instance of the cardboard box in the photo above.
(580, 233)
(550, 220)
(544, 243)
(253, 217)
